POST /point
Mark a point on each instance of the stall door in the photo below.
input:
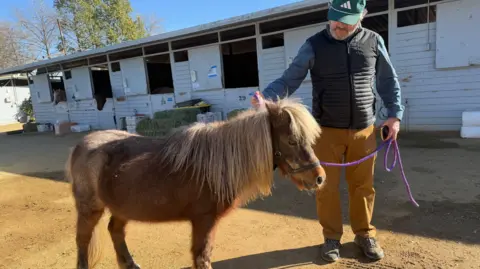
(42, 89)
(82, 83)
(205, 68)
(134, 77)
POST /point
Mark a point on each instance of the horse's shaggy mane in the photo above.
(235, 157)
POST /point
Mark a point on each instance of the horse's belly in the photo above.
(141, 203)
(150, 212)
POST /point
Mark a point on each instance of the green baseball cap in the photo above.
(346, 11)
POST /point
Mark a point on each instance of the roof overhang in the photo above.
(262, 15)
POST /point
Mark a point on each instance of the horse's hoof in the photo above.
(130, 266)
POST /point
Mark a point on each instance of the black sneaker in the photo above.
(370, 247)
(331, 250)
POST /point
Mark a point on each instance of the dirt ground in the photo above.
(37, 215)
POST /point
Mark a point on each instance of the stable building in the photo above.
(430, 42)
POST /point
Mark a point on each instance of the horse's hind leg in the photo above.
(86, 222)
(116, 226)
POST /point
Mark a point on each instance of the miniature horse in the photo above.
(197, 173)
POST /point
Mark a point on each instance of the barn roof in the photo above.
(216, 25)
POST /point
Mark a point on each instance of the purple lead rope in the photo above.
(389, 169)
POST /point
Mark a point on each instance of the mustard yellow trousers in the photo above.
(337, 145)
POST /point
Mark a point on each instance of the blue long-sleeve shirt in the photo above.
(387, 84)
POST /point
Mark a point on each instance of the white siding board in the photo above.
(84, 112)
(216, 98)
(238, 98)
(162, 102)
(44, 112)
(140, 104)
(436, 97)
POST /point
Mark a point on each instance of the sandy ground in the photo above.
(10, 127)
(281, 231)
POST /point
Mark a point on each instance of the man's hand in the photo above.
(393, 125)
(257, 99)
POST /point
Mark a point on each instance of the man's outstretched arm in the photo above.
(293, 76)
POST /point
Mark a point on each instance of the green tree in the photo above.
(88, 24)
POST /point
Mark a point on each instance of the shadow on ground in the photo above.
(292, 258)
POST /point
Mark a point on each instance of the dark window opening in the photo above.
(195, 41)
(126, 54)
(240, 68)
(20, 82)
(409, 3)
(56, 80)
(273, 41)
(374, 6)
(68, 75)
(98, 60)
(30, 80)
(101, 81)
(378, 24)
(416, 16)
(159, 71)
(115, 67)
(237, 33)
(180, 56)
(157, 48)
(293, 22)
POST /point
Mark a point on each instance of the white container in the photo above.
(80, 128)
(132, 129)
(471, 118)
(470, 132)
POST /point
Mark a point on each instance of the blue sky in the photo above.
(174, 14)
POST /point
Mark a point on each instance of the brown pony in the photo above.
(197, 173)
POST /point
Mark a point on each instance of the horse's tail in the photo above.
(84, 193)
(96, 246)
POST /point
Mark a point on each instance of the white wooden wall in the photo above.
(10, 99)
(435, 98)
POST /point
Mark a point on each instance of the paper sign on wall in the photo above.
(213, 71)
(195, 85)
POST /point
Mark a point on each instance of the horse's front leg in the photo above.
(203, 235)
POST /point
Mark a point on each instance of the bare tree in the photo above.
(152, 25)
(39, 28)
(11, 52)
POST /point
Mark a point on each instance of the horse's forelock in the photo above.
(302, 124)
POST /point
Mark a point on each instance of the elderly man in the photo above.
(345, 61)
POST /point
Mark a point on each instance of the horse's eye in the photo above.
(292, 141)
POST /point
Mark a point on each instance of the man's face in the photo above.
(340, 30)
